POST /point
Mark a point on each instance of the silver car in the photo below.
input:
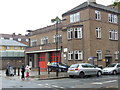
(83, 69)
(112, 69)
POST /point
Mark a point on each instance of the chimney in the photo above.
(91, 1)
(19, 34)
(13, 34)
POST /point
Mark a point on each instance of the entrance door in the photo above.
(42, 62)
(108, 60)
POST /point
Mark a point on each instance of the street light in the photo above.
(57, 20)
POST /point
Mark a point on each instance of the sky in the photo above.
(17, 16)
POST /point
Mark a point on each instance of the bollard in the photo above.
(48, 70)
(14, 70)
(38, 70)
(18, 71)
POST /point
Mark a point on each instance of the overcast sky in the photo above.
(21, 15)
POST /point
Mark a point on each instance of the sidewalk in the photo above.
(43, 75)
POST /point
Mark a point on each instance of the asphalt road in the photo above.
(105, 81)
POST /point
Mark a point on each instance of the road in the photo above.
(105, 81)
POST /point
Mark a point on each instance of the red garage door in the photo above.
(53, 57)
(42, 62)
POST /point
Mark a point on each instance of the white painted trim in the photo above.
(42, 51)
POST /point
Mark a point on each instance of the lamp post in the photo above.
(57, 20)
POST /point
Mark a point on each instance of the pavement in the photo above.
(34, 74)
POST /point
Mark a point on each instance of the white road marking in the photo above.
(104, 82)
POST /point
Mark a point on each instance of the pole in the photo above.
(57, 71)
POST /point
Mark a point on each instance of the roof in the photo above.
(94, 5)
(13, 36)
(4, 42)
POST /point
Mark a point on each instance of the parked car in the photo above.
(61, 67)
(83, 69)
(112, 69)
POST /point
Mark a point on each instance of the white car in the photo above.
(83, 69)
(112, 69)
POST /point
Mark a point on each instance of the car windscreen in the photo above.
(74, 66)
(111, 65)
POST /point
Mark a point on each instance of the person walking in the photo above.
(27, 70)
(22, 72)
(8, 69)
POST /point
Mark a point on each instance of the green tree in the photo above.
(116, 3)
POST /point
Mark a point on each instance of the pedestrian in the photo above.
(27, 70)
(22, 72)
(8, 69)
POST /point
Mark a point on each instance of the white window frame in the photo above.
(11, 38)
(75, 17)
(116, 55)
(79, 32)
(27, 40)
(99, 54)
(57, 38)
(98, 32)
(79, 53)
(113, 34)
(19, 39)
(33, 42)
(70, 55)
(97, 15)
(70, 33)
(112, 18)
(44, 40)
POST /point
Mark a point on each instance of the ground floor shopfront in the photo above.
(40, 59)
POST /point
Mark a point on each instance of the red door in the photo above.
(55, 57)
(42, 62)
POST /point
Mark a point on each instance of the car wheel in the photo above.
(99, 73)
(82, 75)
(71, 76)
(114, 72)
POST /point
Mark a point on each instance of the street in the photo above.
(105, 81)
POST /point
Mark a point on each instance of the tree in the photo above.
(116, 3)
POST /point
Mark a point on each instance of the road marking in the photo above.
(104, 82)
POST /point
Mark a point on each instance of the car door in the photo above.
(92, 69)
(118, 68)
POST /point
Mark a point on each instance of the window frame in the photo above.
(98, 33)
(97, 15)
(99, 54)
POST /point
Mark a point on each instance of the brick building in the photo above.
(89, 34)
(11, 51)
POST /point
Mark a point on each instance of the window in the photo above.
(44, 40)
(75, 17)
(70, 33)
(27, 40)
(99, 54)
(2, 38)
(19, 39)
(33, 42)
(98, 32)
(11, 38)
(70, 55)
(116, 56)
(112, 18)
(113, 35)
(78, 55)
(7, 47)
(78, 32)
(57, 38)
(97, 15)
